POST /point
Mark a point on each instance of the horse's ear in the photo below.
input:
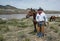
(35, 12)
(28, 11)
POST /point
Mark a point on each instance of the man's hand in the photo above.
(46, 23)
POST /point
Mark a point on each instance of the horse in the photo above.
(52, 18)
(32, 12)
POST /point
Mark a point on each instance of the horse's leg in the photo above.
(50, 19)
(35, 30)
(54, 19)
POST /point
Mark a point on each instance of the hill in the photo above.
(10, 10)
(13, 10)
(7, 7)
(52, 12)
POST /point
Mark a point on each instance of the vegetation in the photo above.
(22, 30)
(33, 33)
(1, 37)
(56, 30)
(26, 39)
(21, 34)
(2, 21)
(3, 28)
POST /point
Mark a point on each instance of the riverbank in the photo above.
(20, 16)
(22, 30)
(21, 11)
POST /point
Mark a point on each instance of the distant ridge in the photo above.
(8, 9)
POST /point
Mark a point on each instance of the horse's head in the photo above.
(30, 13)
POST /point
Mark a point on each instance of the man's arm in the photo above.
(46, 20)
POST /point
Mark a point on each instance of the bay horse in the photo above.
(32, 12)
(52, 18)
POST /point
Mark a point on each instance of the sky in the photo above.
(24, 4)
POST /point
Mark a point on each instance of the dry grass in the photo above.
(22, 30)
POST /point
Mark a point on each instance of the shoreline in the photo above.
(26, 13)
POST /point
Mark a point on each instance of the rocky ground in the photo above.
(22, 30)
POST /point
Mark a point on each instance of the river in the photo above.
(20, 16)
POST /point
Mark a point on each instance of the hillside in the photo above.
(52, 12)
(10, 10)
(7, 7)
(13, 10)
(22, 30)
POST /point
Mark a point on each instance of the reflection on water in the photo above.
(20, 16)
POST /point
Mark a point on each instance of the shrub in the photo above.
(58, 24)
(1, 37)
(2, 21)
(26, 39)
(33, 33)
(4, 28)
(12, 22)
(21, 34)
(52, 27)
(22, 24)
(23, 19)
(55, 29)
(49, 38)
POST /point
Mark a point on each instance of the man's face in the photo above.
(40, 12)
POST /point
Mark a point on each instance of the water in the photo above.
(20, 16)
(13, 16)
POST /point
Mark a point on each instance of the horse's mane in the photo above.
(33, 10)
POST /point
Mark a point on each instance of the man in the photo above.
(41, 19)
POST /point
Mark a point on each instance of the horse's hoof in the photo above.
(35, 30)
